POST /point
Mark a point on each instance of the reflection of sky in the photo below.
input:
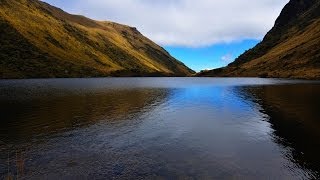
(217, 97)
(217, 122)
(174, 124)
(221, 104)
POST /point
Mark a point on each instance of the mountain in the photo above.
(39, 41)
(291, 49)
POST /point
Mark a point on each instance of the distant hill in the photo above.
(291, 49)
(38, 40)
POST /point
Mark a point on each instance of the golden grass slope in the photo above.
(75, 46)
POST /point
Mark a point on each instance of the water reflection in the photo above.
(155, 128)
(29, 122)
(294, 116)
(22, 120)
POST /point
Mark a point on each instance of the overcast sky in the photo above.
(185, 23)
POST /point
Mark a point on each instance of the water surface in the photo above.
(160, 128)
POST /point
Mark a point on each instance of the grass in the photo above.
(58, 42)
(290, 50)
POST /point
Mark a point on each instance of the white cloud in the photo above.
(226, 59)
(190, 23)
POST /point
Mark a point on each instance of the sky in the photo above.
(204, 34)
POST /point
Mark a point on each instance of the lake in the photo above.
(160, 128)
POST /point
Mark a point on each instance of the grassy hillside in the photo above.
(291, 49)
(39, 40)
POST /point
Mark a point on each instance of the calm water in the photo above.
(160, 128)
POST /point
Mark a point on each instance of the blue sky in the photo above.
(204, 34)
(210, 57)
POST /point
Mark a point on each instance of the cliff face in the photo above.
(291, 49)
(39, 40)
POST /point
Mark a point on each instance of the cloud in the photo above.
(187, 23)
(226, 59)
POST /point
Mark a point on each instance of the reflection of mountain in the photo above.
(294, 116)
(43, 115)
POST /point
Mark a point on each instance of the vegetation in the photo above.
(291, 49)
(39, 40)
